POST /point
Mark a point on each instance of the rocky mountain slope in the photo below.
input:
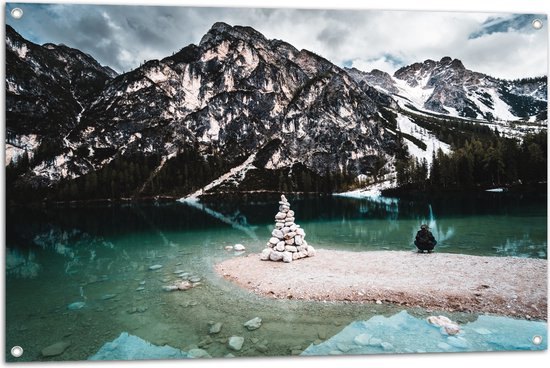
(284, 117)
(237, 112)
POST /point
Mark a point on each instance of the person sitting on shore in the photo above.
(424, 240)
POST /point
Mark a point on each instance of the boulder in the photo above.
(155, 267)
(291, 248)
(239, 247)
(289, 241)
(273, 240)
(310, 251)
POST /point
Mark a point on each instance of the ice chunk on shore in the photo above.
(129, 347)
(405, 333)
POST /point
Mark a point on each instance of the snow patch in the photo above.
(432, 143)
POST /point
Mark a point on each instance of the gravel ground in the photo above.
(453, 282)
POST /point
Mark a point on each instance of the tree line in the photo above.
(478, 163)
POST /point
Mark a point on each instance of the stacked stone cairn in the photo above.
(287, 241)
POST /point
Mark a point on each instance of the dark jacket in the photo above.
(425, 240)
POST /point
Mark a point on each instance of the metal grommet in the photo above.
(16, 13)
(537, 24)
(16, 351)
(537, 340)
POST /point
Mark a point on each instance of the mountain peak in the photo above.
(221, 30)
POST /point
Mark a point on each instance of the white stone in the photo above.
(289, 241)
(295, 256)
(283, 208)
(298, 240)
(253, 324)
(386, 346)
(276, 256)
(270, 245)
(280, 246)
(274, 240)
(289, 219)
(290, 214)
(291, 248)
(279, 225)
(290, 235)
(235, 343)
(285, 230)
(310, 251)
(277, 233)
(155, 267)
(289, 224)
(280, 216)
(265, 254)
(228, 247)
(239, 247)
(294, 227)
(301, 232)
(287, 257)
(170, 288)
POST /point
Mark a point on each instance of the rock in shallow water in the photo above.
(239, 247)
(76, 305)
(235, 343)
(215, 328)
(55, 349)
(253, 324)
(155, 267)
(198, 353)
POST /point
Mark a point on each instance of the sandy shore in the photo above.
(453, 282)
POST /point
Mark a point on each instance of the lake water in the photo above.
(99, 256)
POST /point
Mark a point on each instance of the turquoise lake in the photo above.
(99, 256)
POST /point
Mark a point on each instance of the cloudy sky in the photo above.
(502, 45)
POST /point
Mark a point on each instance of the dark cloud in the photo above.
(123, 36)
(518, 22)
(333, 36)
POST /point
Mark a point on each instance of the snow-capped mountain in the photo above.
(446, 87)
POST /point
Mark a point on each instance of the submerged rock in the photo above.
(108, 296)
(55, 349)
(253, 324)
(449, 327)
(198, 353)
(215, 328)
(76, 305)
(129, 347)
(155, 267)
(235, 343)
